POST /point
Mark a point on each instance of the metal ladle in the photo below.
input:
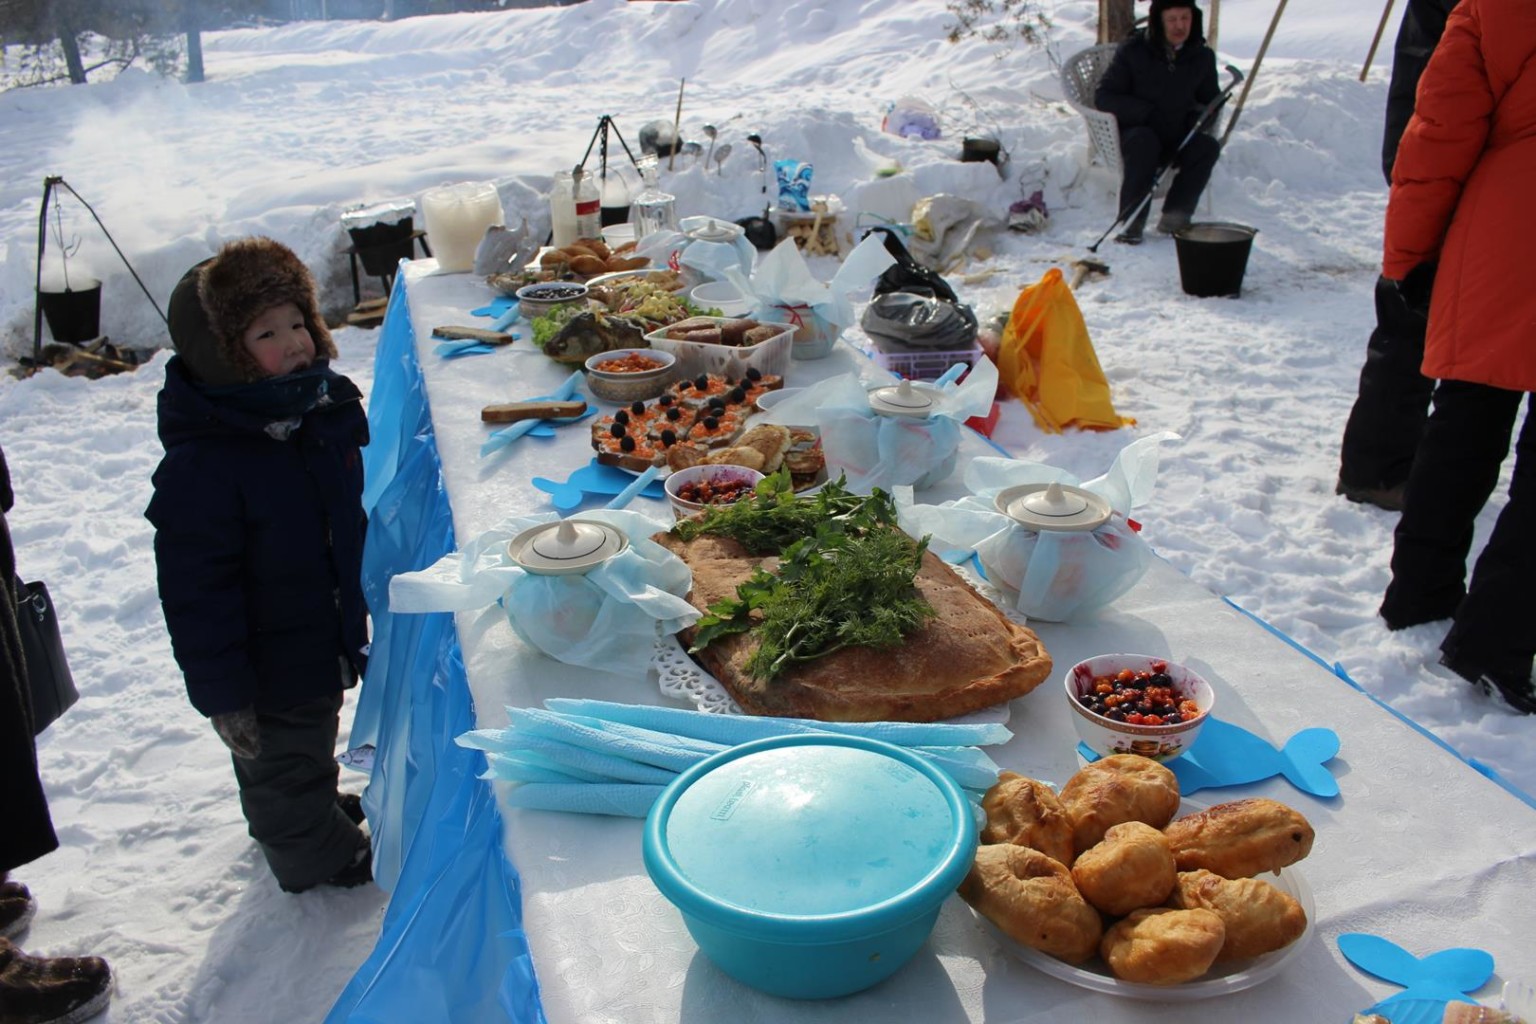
(692, 149)
(720, 155)
(710, 131)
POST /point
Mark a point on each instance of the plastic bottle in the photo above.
(653, 209)
(588, 206)
(562, 210)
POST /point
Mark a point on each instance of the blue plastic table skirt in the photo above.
(451, 946)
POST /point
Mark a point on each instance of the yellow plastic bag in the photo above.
(1046, 359)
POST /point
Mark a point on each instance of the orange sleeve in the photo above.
(1443, 141)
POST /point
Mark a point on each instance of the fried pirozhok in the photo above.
(1258, 917)
(1163, 946)
(1241, 839)
(1032, 899)
(1130, 869)
(1115, 789)
(1027, 812)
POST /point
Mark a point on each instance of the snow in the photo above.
(298, 123)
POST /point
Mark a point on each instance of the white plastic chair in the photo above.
(1080, 76)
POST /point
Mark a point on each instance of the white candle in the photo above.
(456, 218)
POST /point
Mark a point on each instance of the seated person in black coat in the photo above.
(1158, 86)
(258, 546)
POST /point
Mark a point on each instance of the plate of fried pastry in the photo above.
(1118, 885)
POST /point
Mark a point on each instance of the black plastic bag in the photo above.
(908, 275)
(915, 307)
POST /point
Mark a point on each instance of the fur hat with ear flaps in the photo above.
(216, 301)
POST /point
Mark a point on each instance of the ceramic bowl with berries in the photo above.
(628, 375)
(1137, 704)
(699, 487)
(540, 299)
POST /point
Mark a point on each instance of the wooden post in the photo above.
(1257, 60)
(1210, 37)
(1376, 41)
(677, 126)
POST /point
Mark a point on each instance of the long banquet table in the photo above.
(504, 913)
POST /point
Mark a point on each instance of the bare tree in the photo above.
(1116, 19)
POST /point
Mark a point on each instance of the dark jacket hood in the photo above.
(216, 301)
(1155, 24)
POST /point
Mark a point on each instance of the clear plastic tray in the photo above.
(1221, 980)
(771, 356)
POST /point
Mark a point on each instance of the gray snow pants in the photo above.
(288, 795)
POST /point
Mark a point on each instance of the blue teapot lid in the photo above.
(810, 835)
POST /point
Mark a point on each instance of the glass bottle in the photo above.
(615, 191)
(562, 210)
(588, 206)
(653, 209)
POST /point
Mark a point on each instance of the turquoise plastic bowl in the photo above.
(810, 866)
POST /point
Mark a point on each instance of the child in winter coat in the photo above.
(259, 526)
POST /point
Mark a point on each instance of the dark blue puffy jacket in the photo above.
(1143, 87)
(258, 548)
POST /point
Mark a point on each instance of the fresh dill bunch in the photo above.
(846, 585)
(774, 518)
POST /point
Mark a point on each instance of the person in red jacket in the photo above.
(1462, 204)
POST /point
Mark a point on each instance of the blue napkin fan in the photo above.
(592, 479)
(1229, 755)
(1431, 981)
(499, 305)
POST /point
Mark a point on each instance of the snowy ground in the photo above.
(297, 123)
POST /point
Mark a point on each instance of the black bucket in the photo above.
(1213, 256)
(975, 151)
(381, 247)
(73, 315)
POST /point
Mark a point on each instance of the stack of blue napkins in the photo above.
(597, 757)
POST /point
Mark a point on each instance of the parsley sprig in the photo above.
(845, 575)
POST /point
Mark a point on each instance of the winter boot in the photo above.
(352, 806)
(16, 908)
(1515, 686)
(1172, 221)
(359, 872)
(60, 990)
(1389, 498)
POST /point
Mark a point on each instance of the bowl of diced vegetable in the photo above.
(630, 374)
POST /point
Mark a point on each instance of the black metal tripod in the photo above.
(50, 183)
(605, 125)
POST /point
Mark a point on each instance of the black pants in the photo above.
(1387, 420)
(288, 795)
(1143, 153)
(1457, 467)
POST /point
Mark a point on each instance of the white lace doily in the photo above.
(682, 678)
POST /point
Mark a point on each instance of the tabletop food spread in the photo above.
(812, 604)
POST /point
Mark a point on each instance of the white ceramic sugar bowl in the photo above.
(915, 401)
(566, 548)
(1070, 555)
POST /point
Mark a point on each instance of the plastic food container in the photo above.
(632, 386)
(771, 356)
(1106, 736)
(721, 295)
(810, 866)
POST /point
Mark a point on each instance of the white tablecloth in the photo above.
(1419, 848)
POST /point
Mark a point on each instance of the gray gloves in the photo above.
(239, 731)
